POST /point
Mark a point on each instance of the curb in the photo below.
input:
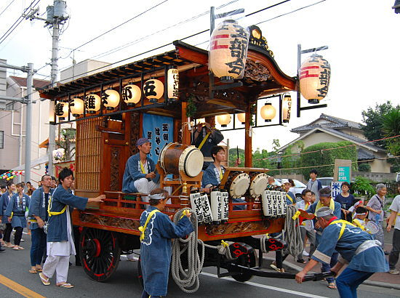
(367, 282)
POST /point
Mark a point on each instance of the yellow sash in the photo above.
(204, 140)
(51, 213)
(319, 205)
(142, 229)
(344, 224)
(290, 198)
(359, 225)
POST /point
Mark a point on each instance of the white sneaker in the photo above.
(394, 271)
(305, 253)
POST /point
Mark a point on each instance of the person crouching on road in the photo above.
(357, 248)
(60, 244)
(155, 247)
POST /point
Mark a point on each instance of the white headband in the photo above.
(157, 196)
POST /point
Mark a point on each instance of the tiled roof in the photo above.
(364, 155)
(334, 122)
(38, 84)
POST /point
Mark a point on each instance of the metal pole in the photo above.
(54, 72)
(28, 124)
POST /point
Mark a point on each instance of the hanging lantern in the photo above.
(286, 108)
(110, 99)
(228, 51)
(224, 120)
(173, 83)
(153, 89)
(314, 76)
(242, 117)
(131, 94)
(61, 109)
(268, 112)
(92, 103)
(77, 106)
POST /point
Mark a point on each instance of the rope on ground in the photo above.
(292, 234)
(187, 279)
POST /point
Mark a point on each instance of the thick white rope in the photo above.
(292, 234)
(187, 279)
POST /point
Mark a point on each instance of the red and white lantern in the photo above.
(314, 77)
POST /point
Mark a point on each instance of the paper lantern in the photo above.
(268, 112)
(110, 99)
(242, 117)
(224, 120)
(228, 51)
(153, 89)
(77, 106)
(92, 103)
(314, 77)
(131, 94)
(286, 108)
(173, 83)
(61, 110)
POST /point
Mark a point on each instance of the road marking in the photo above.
(16, 287)
(267, 287)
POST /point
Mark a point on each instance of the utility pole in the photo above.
(56, 17)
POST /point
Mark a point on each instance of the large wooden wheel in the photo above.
(99, 253)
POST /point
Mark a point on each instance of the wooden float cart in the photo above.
(106, 139)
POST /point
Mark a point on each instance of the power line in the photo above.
(7, 7)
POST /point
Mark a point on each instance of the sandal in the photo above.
(66, 285)
(39, 269)
(33, 271)
(331, 285)
(301, 261)
(45, 281)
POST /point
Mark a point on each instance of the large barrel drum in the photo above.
(177, 157)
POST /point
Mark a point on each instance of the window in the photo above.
(1, 139)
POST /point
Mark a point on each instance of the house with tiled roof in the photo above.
(333, 129)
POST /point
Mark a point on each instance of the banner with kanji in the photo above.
(159, 130)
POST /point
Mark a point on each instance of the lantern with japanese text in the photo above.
(110, 99)
(61, 110)
(286, 108)
(314, 76)
(131, 94)
(77, 106)
(224, 119)
(228, 51)
(173, 83)
(153, 89)
(242, 117)
(268, 112)
(92, 103)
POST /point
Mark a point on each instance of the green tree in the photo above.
(391, 128)
(67, 139)
(324, 160)
(234, 155)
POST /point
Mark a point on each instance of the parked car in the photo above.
(298, 187)
(326, 181)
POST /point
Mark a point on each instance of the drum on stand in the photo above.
(258, 184)
(177, 157)
(237, 184)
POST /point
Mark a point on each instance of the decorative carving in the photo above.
(116, 222)
(256, 71)
(258, 40)
(114, 168)
(237, 227)
(135, 132)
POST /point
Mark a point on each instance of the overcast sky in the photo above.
(362, 36)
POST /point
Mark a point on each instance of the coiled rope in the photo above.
(292, 234)
(187, 279)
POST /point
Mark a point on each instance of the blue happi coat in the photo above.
(38, 206)
(211, 176)
(369, 260)
(18, 206)
(4, 200)
(156, 249)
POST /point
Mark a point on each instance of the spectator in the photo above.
(140, 171)
(3, 189)
(271, 183)
(155, 246)
(205, 137)
(29, 188)
(394, 219)
(39, 217)
(290, 197)
(15, 212)
(307, 226)
(314, 184)
(346, 200)
(376, 213)
(360, 216)
(60, 244)
(357, 248)
(4, 200)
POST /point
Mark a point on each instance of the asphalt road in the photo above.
(17, 282)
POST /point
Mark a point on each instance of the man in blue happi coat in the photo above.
(155, 247)
(357, 248)
(140, 171)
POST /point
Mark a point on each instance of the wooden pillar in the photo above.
(185, 127)
(248, 140)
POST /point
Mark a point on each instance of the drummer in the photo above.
(140, 171)
(212, 176)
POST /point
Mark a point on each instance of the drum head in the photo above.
(162, 155)
(191, 161)
(258, 184)
(239, 185)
